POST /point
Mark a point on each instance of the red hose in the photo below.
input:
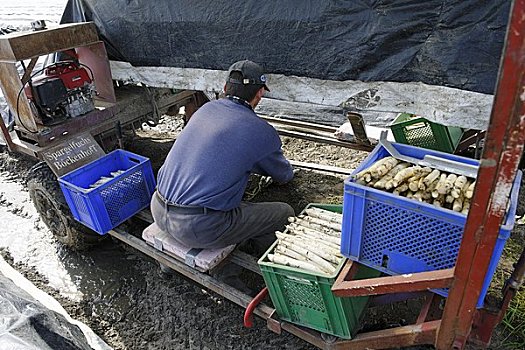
(248, 319)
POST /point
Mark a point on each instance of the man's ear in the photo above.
(260, 93)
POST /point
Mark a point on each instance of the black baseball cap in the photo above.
(252, 73)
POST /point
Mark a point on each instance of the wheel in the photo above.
(50, 203)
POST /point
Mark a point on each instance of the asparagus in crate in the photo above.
(311, 242)
(424, 184)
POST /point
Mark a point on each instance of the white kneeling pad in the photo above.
(200, 259)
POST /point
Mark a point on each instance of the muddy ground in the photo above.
(126, 302)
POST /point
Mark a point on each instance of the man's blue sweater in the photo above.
(210, 163)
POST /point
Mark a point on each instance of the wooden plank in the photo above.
(394, 284)
(504, 144)
(11, 86)
(29, 70)
(19, 46)
(411, 335)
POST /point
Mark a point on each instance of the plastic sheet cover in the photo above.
(26, 324)
(455, 43)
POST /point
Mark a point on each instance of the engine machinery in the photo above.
(64, 90)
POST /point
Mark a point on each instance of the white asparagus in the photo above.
(324, 214)
(460, 182)
(336, 226)
(449, 198)
(302, 249)
(447, 185)
(466, 205)
(441, 183)
(381, 183)
(421, 184)
(434, 175)
(458, 204)
(317, 227)
(405, 174)
(470, 191)
(400, 189)
(314, 233)
(384, 167)
(311, 257)
(287, 261)
(329, 247)
(368, 171)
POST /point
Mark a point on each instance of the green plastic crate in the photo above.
(417, 131)
(306, 298)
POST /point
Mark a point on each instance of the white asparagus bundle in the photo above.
(384, 167)
(330, 231)
(314, 233)
(287, 261)
(310, 256)
(297, 245)
(367, 173)
(324, 215)
(405, 174)
(282, 249)
(381, 183)
(336, 226)
(330, 247)
(332, 241)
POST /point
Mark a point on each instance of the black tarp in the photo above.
(456, 43)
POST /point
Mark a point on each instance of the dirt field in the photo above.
(125, 301)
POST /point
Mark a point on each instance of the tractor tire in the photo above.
(47, 197)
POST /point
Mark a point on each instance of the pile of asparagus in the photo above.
(311, 242)
(424, 184)
(104, 179)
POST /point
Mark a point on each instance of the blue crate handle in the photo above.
(430, 160)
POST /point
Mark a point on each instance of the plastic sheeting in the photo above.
(26, 324)
(455, 43)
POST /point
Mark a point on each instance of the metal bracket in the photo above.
(273, 324)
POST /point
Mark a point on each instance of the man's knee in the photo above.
(286, 210)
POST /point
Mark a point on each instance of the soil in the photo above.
(127, 303)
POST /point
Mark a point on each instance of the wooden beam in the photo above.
(411, 335)
(19, 46)
(501, 155)
(344, 286)
(11, 87)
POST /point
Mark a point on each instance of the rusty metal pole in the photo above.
(499, 163)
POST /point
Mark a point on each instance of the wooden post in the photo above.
(499, 163)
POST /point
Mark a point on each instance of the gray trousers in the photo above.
(217, 229)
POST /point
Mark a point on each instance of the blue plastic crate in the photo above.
(398, 235)
(108, 205)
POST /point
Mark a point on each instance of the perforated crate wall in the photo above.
(130, 188)
(390, 230)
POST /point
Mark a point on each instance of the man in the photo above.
(202, 182)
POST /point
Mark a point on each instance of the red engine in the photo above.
(65, 89)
